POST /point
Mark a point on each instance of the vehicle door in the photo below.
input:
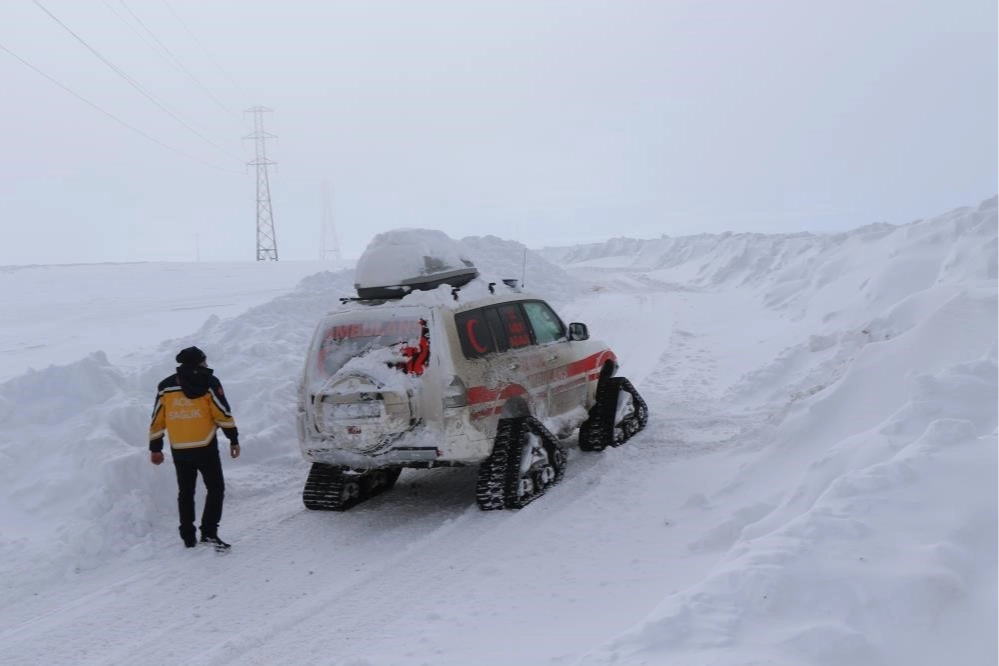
(497, 342)
(564, 375)
(522, 357)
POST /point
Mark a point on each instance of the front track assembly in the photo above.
(618, 414)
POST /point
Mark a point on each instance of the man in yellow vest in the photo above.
(190, 406)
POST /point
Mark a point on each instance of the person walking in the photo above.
(190, 406)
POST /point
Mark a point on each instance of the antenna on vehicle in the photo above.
(523, 270)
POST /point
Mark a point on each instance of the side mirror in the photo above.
(578, 331)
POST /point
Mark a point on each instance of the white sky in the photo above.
(547, 122)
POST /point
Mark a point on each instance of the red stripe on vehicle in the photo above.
(480, 394)
(588, 367)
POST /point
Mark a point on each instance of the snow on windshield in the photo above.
(382, 345)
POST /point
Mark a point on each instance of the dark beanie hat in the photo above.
(191, 356)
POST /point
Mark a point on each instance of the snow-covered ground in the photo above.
(817, 484)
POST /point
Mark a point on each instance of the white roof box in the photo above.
(403, 260)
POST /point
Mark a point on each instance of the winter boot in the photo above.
(220, 545)
(190, 540)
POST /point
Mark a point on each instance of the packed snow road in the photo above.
(422, 559)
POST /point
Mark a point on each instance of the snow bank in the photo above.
(505, 259)
(794, 262)
(862, 524)
(876, 543)
(74, 437)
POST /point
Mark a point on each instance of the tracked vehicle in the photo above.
(432, 365)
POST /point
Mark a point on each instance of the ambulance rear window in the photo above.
(345, 337)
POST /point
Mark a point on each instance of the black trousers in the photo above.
(188, 462)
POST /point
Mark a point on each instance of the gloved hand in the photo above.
(156, 457)
(234, 450)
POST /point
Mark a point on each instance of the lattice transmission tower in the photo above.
(266, 239)
(329, 237)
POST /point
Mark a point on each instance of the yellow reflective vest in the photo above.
(189, 422)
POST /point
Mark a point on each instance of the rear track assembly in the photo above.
(331, 488)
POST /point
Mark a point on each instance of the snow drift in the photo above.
(869, 517)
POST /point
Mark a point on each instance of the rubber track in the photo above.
(499, 475)
(599, 430)
(634, 422)
(489, 486)
(325, 488)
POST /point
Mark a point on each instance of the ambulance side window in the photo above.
(514, 325)
(496, 327)
(546, 324)
(474, 333)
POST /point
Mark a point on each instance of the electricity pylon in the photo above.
(266, 239)
(329, 230)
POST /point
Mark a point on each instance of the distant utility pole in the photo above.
(329, 230)
(266, 240)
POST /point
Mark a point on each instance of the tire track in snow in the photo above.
(185, 591)
(330, 606)
(690, 414)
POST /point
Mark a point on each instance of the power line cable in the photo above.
(111, 115)
(135, 84)
(231, 81)
(163, 51)
(176, 61)
(135, 31)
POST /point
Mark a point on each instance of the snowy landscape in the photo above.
(817, 483)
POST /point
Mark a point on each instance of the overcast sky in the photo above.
(544, 122)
